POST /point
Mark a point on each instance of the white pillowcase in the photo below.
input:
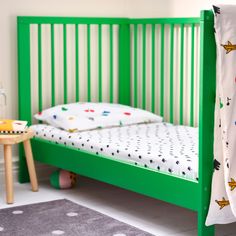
(87, 116)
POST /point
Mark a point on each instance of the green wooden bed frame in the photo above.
(190, 194)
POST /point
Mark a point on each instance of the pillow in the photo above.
(87, 116)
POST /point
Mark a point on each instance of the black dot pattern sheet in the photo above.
(160, 146)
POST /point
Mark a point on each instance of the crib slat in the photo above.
(162, 94)
(89, 64)
(135, 65)
(40, 98)
(100, 63)
(52, 67)
(77, 62)
(192, 76)
(144, 68)
(181, 86)
(124, 64)
(153, 68)
(111, 63)
(171, 71)
(65, 62)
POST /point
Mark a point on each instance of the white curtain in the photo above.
(222, 208)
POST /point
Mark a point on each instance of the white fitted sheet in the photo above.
(160, 146)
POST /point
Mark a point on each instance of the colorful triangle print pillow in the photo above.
(76, 117)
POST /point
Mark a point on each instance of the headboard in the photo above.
(147, 63)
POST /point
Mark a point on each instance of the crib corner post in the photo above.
(204, 230)
(24, 85)
(206, 118)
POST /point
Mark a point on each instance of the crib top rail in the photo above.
(71, 20)
(104, 20)
(174, 20)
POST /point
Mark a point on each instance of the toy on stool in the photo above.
(63, 179)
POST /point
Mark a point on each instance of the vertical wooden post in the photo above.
(162, 70)
(111, 64)
(193, 65)
(100, 89)
(124, 64)
(171, 88)
(144, 65)
(206, 118)
(77, 92)
(88, 63)
(181, 75)
(53, 89)
(65, 63)
(24, 91)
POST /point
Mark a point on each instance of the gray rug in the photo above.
(61, 217)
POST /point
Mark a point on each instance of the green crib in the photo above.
(165, 65)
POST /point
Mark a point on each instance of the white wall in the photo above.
(123, 8)
(188, 8)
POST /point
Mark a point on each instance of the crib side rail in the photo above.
(70, 59)
(165, 67)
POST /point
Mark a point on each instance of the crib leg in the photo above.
(204, 230)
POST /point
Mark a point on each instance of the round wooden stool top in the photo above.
(16, 138)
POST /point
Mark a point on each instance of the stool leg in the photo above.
(30, 164)
(8, 173)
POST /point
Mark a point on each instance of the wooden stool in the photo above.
(8, 140)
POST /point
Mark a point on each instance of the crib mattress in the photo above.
(160, 146)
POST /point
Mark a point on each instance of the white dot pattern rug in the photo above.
(61, 217)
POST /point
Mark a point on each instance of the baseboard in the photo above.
(43, 171)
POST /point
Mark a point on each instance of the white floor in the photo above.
(153, 216)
